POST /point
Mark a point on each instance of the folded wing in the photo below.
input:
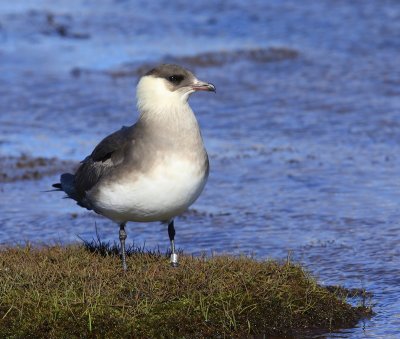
(108, 154)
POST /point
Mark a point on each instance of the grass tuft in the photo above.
(73, 291)
(106, 249)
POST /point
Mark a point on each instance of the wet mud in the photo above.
(209, 59)
(25, 167)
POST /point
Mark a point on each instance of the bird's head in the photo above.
(168, 86)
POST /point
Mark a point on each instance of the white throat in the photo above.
(154, 98)
(159, 105)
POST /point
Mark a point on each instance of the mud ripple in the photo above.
(28, 168)
(207, 59)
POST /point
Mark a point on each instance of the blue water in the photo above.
(303, 143)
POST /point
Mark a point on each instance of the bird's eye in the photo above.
(175, 79)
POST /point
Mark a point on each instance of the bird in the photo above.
(153, 170)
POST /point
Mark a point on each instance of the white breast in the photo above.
(159, 195)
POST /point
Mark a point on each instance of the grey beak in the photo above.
(203, 86)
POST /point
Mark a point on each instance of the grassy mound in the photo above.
(69, 291)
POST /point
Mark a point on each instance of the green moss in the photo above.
(69, 291)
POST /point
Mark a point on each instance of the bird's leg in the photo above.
(122, 237)
(171, 233)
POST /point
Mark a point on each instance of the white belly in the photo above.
(161, 194)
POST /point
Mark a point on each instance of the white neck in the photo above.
(158, 105)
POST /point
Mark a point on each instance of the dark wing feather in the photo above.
(108, 154)
(111, 143)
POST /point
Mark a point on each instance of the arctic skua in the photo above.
(150, 171)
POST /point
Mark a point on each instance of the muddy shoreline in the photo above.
(24, 167)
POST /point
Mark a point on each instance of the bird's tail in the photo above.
(67, 185)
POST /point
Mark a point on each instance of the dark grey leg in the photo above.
(171, 233)
(122, 237)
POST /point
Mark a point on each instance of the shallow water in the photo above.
(303, 134)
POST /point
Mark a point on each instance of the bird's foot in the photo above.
(174, 260)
